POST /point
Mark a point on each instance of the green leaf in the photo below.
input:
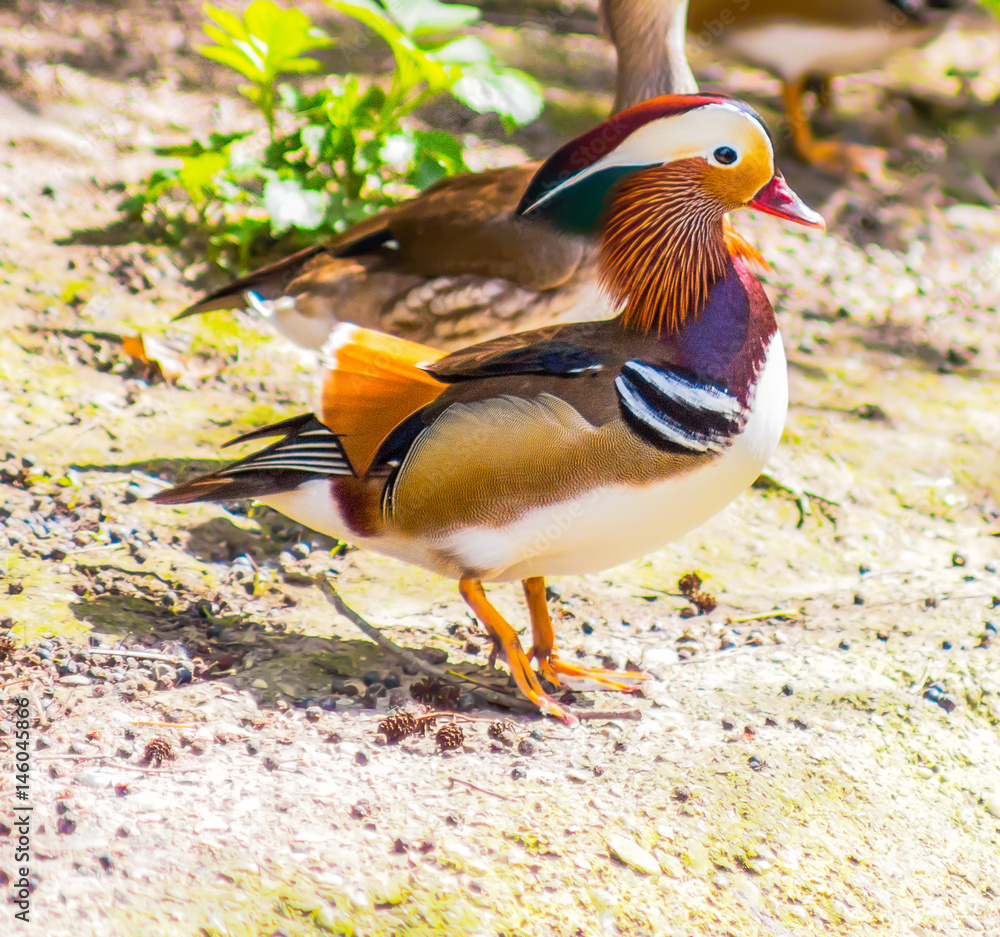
(269, 41)
(291, 206)
(234, 58)
(462, 51)
(425, 16)
(197, 172)
(508, 92)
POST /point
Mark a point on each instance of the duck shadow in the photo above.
(202, 642)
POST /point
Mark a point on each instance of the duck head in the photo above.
(654, 184)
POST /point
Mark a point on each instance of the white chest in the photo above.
(792, 50)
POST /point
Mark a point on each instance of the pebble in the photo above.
(991, 801)
(588, 625)
(259, 684)
(75, 679)
(92, 779)
(301, 550)
(324, 917)
(632, 854)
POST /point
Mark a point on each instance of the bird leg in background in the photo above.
(543, 649)
(822, 87)
(831, 155)
(520, 668)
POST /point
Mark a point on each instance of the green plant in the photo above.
(332, 154)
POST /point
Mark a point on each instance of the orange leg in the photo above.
(520, 668)
(831, 155)
(544, 652)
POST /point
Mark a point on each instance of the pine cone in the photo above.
(397, 726)
(450, 735)
(689, 584)
(7, 648)
(502, 731)
(703, 601)
(158, 750)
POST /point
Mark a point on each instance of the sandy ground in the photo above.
(819, 754)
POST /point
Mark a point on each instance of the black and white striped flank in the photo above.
(677, 412)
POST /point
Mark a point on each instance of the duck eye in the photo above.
(725, 155)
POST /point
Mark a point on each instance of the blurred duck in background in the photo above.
(806, 43)
(455, 262)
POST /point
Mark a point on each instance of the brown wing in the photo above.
(461, 227)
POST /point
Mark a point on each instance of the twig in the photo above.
(124, 652)
(762, 616)
(19, 680)
(634, 714)
(489, 696)
(70, 757)
(170, 725)
(482, 790)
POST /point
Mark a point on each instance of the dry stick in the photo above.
(482, 790)
(122, 652)
(763, 616)
(171, 725)
(634, 714)
(489, 696)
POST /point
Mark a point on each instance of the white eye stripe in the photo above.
(694, 133)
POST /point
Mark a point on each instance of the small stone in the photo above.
(324, 917)
(75, 679)
(991, 801)
(786, 690)
(588, 625)
(361, 758)
(632, 854)
(391, 681)
(259, 684)
(301, 550)
(314, 713)
(371, 677)
(958, 558)
(844, 645)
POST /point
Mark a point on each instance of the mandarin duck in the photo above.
(456, 261)
(806, 44)
(574, 447)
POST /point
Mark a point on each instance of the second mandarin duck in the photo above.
(806, 43)
(456, 263)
